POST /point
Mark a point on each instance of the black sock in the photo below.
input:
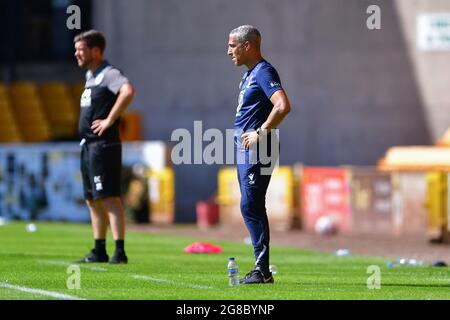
(265, 270)
(120, 245)
(100, 246)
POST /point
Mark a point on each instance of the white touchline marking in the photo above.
(64, 263)
(52, 262)
(195, 286)
(52, 294)
(97, 268)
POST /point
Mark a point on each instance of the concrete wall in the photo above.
(431, 68)
(353, 90)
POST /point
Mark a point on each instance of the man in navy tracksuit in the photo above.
(262, 106)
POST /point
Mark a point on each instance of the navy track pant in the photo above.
(253, 186)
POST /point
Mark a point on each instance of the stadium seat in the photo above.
(61, 109)
(77, 89)
(36, 133)
(55, 90)
(31, 119)
(29, 112)
(58, 110)
(62, 118)
(10, 134)
(21, 106)
(3, 92)
(23, 90)
(9, 130)
(5, 107)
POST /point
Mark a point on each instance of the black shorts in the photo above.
(101, 166)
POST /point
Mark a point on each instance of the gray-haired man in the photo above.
(262, 106)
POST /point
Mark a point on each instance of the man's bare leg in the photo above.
(113, 206)
(99, 219)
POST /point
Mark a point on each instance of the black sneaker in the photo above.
(119, 257)
(256, 276)
(94, 257)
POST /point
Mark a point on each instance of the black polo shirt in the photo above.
(99, 96)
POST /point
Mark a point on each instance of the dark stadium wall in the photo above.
(352, 89)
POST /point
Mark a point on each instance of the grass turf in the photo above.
(159, 269)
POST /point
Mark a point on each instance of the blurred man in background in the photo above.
(106, 96)
(262, 106)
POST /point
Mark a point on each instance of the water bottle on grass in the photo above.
(233, 272)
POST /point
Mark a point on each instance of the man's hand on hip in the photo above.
(100, 125)
(249, 139)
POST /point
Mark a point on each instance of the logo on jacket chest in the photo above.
(86, 98)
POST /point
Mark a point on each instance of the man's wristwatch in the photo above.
(261, 132)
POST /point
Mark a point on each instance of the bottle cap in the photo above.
(231, 258)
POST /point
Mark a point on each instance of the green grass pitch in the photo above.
(159, 270)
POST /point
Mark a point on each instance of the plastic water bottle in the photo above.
(415, 263)
(233, 272)
(405, 263)
(343, 253)
(273, 269)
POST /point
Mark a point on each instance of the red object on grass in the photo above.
(203, 247)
